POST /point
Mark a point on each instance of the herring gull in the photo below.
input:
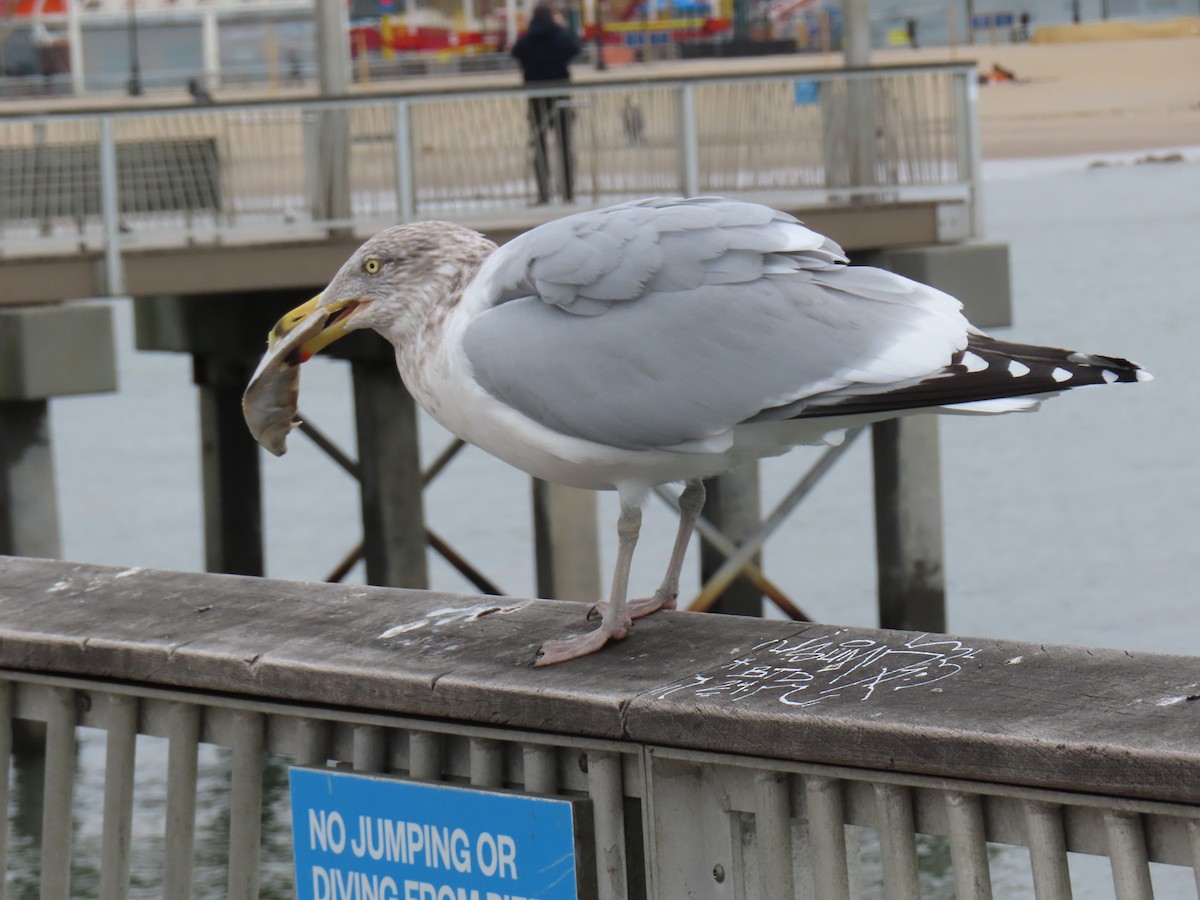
(664, 340)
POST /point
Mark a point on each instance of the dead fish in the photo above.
(269, 403)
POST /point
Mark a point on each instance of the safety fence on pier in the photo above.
(289, 170)
(153, 713)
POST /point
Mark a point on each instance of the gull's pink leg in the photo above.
(691, 501)
(615, 623)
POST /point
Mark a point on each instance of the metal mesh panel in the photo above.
(629, 144)
(469, 154)
(754, 136)
(293, 170)
(372, 163)
(797, 133)
(50, 174)
(265, 165)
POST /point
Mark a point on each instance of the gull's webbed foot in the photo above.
(639, 608)
(553, 652)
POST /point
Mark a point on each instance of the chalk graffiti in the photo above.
(805, 671)
(447, 616)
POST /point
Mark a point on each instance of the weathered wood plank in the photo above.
(1100, 721)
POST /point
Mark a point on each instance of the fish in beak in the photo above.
(269, 403)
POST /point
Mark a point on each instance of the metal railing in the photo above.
(850, 784)
(292, 170)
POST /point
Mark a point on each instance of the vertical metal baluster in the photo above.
(541, 769)
(1193, 833)
(425, 755)
(110, 208)
(369, 749)
(1127, 854)
(312, 743)
(179, 849)
(406, 196)
(58, 795)
(898, 842)
(968, 846)
(245, 804)
(827, 836)
(1047, 851)
(972, 153)
(606, 788)
(686, 133)
(120, 749)
(6, 710)
(487, 763)
(773, 835)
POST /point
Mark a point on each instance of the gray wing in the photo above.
(666, 322)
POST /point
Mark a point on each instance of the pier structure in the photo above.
(217, 220)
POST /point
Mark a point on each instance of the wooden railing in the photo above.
(724, 757)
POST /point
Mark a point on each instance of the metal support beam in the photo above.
(230, 475)
(392, 509)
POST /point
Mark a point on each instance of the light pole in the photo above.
(135, 72)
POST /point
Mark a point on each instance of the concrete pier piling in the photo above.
(45, 352)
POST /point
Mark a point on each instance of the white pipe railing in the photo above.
(276, 171)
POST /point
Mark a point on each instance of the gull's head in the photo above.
(400, 281)
(391, 284)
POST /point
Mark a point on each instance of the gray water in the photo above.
(1074, 525)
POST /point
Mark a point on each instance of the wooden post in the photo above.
(390, 476)
(566, 542)
(908, 499)
(908, 524)
(229, 467)
(28, 504)
(734, 506)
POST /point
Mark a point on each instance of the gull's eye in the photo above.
(372, 265)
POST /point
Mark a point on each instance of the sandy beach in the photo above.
(1080, 98)
(1070, 99)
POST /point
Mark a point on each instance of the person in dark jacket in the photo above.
(543, 52)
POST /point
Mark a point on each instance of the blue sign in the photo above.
(807, 91)
(370, 837)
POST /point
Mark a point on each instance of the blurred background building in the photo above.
(64, 46)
